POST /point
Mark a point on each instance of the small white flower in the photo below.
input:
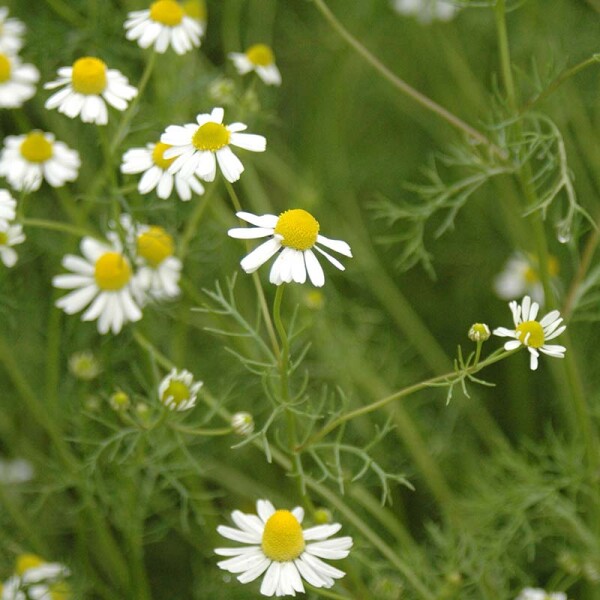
(11, 33)
(155, 168)
(103, 278)
(296, 233)
(36, 579)
(427, 10)
(18, 470)
(178, 391)
(539, 594)
(10, 235)
(28, 159)
(258, 58)
(198, 147)
(531, 333)
(17, 81)
(242, 423)
(87, 86)
(278, 545)
(164, 24)
(8, 208)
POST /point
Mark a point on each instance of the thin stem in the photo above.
(404, 87)
(193, 222)
(200, 431)
(503, 48)
(147, 345)
(62, 9)
(448, 378)
(58, 226)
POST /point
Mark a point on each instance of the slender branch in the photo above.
(59, 226)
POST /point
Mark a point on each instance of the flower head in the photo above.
(198, 147)
(86, 87)
(280, 548)
(11, 32)
(84, 365)
(178, 390)
(296, 233)
(260, 59)
(155, 168)
(242, 423)
(17, 81)
(8, 206)
(103, 279)
(427, 10)
(165, 23)
(479, 332)
(28, 159)
(10, 235)
(539, 594)
(15, 471)
(531, 333)
(36, 579)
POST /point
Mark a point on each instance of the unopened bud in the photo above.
(84, 365)
(323, 516)
(119, 401)
(479, 332)
(242, 423)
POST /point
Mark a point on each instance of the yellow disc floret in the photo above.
(28, 561)
(166, 12)
(155, 244)
(196, 9)
(158, 156)
(282, 538)
(89, 76)
(298, 228)
(531, 334)
(112, 271)
(211, 136)
(36, 148)
(177, 393)
(4, 68)
(260, 55)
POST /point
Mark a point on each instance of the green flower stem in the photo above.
(200, 431)
(193, 221)
(59, 226)
(446, 378)
(324, 593)
(147, 345)
(66, 12)
(256, 279)
(404, 87)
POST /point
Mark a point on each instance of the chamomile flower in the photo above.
(10, 235)
(86, 87)
(15, 471)
(198, 147)
(28, 159)
(539, 594)
(11, 32)
(36, 579)
(164, 24)
(258, 58)
(296, 233)
(521, 276)
(155, 168)
(427, 10)
(104, 280)
(178, 390)
(8, 208)
(531, 333)
(17, 81)
(280, 548)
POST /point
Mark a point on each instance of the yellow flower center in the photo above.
(112, 271)
(531, 334)
(298, 228)
(196, 9)
(167, 12)
(5, 68)
(260, 55)
(28, 561)
(36, 148)
(89, 76)
(158, 156)
(530, 275)
(211, 136)
(177, 392)
(282, 538)
(3, 238)
(155, 245)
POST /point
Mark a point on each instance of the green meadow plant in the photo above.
(256, 261)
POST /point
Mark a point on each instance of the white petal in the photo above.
(310, 575)
(256, 571)
(525, 306)
(336, 245)
(271, 579)
(504, 332)
(248, 523)
(265, 509)
(315, 271)
(259, 256)
(320, 532)
(231, 166)
(553, 350)
(322, 568)
(298, 512)
(512, 345)
(533, 361)
(236, 551)
(249, 233)
(239, 564)
(334, 261)
(550, 318)
(259, 221)
(332, 549)
(249, 141)
(556, 333)
(239, 536)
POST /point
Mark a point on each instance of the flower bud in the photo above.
(242, 423)
(119, 401)
(84, 365)
(323, 516)
(479, 332)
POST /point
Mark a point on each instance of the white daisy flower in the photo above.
(11, 32)
(41, 580)
(196, 9)
(279, 546)
(258, 58)
(17, 81)
(15, 471)
(8, 208)
(296, 233)
(164, 24)
(155, 168)
(103, 278)
(521, 276)
(427, 10)
(198, 147)
(178, 390)
(28, 159)
(531, 333)
(539, 594)
(10, 235)
(87, 86)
